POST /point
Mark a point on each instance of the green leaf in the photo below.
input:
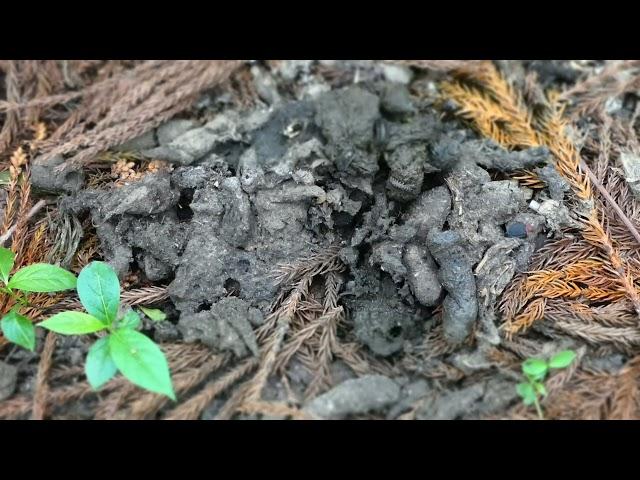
(99, 366)
(535, 368)
(141, 361)
(154, 314)
(7, 257)
(18, 329)
(562, 359)
(526, 391)
(5, 177)
(131, 320)
(99, 291)
(73, 323)
(42, 277)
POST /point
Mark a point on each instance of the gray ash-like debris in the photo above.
(422, 274)
(445, 233)
(140, 216)
(150, 196)
(157, 244)
(556, 184)
(450, 406)
(424, 261)
(469, 402)
(428, 212)
(556, 214)
(197, 143)
(376, 222)
(365, 394)
(173, 129)
(493, 273)
(8, 380)
(410, 394)
(396, 100)
(460, 306)
(46, 176)
(480, 210)
(481, 207)
(383, 325)
(346, 118)
(552, 72)
(405, 149)
(388, 256)
(241, 237)
(290, 125)
(455, 147)
(227, 325)
(253, 190)
(381, 320)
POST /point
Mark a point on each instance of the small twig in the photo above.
(610, 201)
(35, 209)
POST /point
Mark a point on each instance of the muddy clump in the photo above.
(362, 395)
(138, 222)
(227, 325)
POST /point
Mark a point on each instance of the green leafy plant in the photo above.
(535, 371)
(35, 278)
(123, 348)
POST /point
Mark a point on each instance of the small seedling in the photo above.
(535, 371)
(35, 278)
(123, 348)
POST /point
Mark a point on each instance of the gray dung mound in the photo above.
(417, 205)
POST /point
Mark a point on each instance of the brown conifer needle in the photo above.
(610, 200)
(35, 209)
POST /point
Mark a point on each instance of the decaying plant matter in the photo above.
(585, 285)
(120, 107)
(590, 95)
(562, 270)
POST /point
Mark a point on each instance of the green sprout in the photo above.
(120, 346)
(535, 371)
(35, 278)
(154, 314)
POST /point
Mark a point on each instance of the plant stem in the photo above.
(21, 300)
(538, 408)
